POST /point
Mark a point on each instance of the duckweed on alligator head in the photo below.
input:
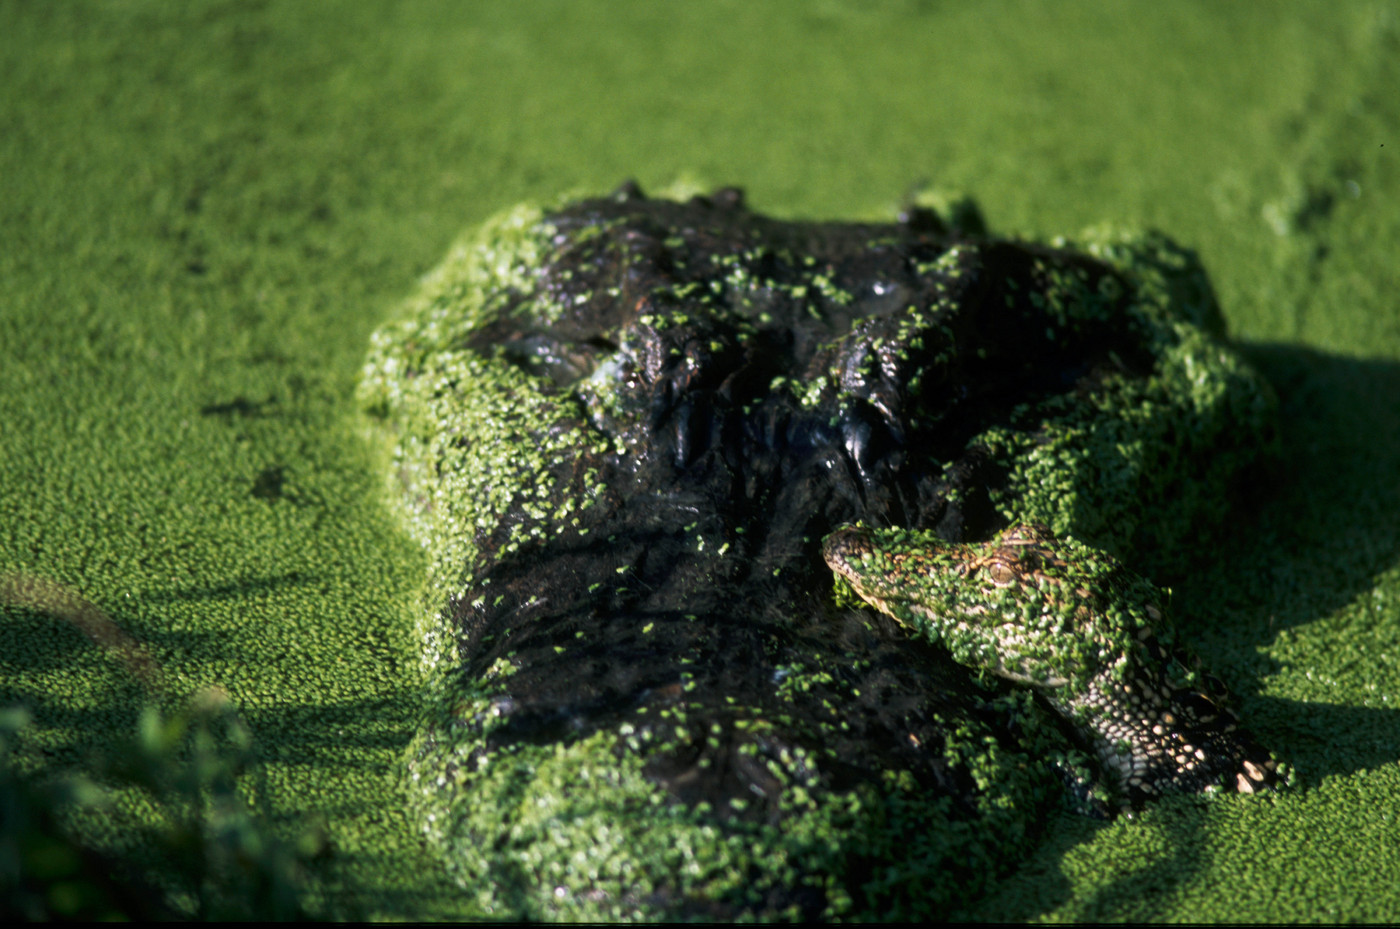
(622, 428)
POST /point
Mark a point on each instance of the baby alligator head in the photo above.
(1079, 628)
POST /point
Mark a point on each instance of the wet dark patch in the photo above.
(268, 485)
(238, 406)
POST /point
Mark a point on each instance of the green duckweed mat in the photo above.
(205, 209)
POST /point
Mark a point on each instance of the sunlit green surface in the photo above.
(205, 209)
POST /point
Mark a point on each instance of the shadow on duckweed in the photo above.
(1328, 527)
(231, 590)
(1323, 536)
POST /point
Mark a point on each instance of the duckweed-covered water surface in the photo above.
(214, 626)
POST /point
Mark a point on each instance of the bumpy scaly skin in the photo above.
(1078, 627)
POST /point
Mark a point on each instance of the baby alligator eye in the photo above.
(1001, 574)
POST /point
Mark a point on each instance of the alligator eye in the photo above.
(1001, 574)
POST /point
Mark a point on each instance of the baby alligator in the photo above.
(1079, 628)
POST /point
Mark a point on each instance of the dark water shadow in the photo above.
(1310, 539)
(230, 590)
(338, 734)
(1327, 527)
(1322, 531)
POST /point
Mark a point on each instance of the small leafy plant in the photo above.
(205, 854)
